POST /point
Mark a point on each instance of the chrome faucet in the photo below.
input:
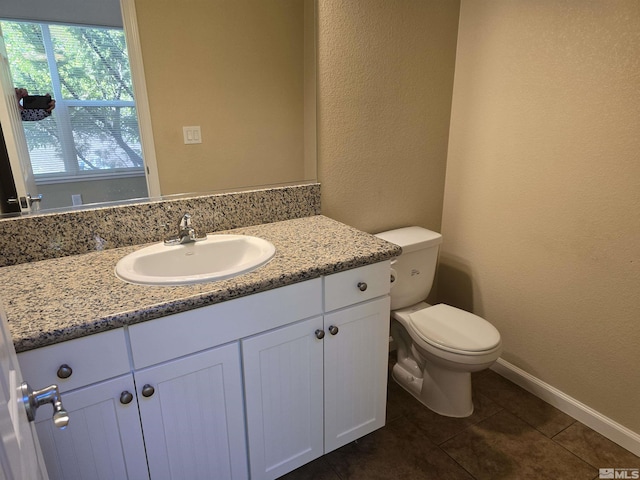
(186, 233)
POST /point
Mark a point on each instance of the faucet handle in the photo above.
(186, 233)
(185, 221)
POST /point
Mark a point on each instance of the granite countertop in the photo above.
(52, 301)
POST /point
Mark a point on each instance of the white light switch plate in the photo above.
(191, 135)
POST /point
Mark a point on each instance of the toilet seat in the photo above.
(454, 330)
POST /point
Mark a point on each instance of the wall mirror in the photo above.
(242, 71)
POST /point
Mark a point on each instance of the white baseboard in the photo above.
(603, 425)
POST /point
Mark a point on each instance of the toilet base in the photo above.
(445, 392)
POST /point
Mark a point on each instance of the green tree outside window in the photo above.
(94, 128)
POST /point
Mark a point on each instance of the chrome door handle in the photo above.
(33, 399)
(34, 199)
(25, 201)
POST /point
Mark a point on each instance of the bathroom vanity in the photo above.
(249, 377)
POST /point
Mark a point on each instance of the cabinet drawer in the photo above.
(356, 285)
(91, 359)
(188, 332)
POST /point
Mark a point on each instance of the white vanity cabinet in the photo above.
(316, 385)
(248, 388)
(103, 440)
(355, 372)
(283, 377)
(190, 395)
(192, 416)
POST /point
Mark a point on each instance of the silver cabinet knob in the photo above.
(33, 399)
(148, 390)
(64, 371)
(362, 286)
(126, 397)
(333, 330)
(319, 334)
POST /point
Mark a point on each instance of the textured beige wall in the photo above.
(541, 217)
(385, 82)
(232, 68)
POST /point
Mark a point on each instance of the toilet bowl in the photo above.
(438, 347)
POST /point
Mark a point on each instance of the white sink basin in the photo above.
(216, 258)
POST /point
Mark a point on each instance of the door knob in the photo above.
(333, 330)
(362, 286)
(33, 399)
(319, 334)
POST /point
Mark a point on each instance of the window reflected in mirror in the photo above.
(89, 149)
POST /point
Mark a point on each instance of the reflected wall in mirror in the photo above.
(241, 70)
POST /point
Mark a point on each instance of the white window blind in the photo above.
(105, 13)
(94, 129)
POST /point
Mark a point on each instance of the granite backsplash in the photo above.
(39, 237)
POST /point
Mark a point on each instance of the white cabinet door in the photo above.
(283, 387)
(103, 440)
(192, 416)
(355, 371)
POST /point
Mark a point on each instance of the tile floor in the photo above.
(511, 435)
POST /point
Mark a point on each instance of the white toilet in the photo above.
(438, 346)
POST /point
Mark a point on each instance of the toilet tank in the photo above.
(416, 267)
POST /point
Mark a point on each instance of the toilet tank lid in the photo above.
(411, 238)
